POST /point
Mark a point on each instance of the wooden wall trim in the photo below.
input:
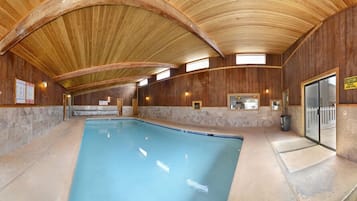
(346, 105)
(50, 10)
(323, 75)
(310, 33)
(215, 69)
(334, 71)
(115, 66)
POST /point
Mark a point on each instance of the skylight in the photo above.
(250, 59)
(163, 75)
(197, 65)
(143, 82)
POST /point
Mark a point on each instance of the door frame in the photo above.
(134, 104)
(329, 73)
(319, 125)
(120, 104)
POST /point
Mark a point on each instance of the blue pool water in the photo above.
(130, 160)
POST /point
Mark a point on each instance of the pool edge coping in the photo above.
(185, 130)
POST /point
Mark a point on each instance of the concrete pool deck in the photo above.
(43, 169)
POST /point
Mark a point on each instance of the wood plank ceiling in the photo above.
(122, 41)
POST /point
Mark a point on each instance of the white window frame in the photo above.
(242, 59)
(163, 75)
(143, 82)
(197, 65)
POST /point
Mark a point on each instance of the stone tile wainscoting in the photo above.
(18, 126)
(296, 113)
(88, 110)
(347, 131)
(213, 116)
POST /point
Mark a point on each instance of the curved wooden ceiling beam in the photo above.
(52, 9)
(115, 66)
(87, 91)
(106, 82)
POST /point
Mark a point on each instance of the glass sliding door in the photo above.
(328, 112)
(320, 111)
(312, 111)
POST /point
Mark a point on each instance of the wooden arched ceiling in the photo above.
(107, 34)
(51, 9)
(105, 83)
(107, 75)
(258, 25)
(102, 35)
(112, 67)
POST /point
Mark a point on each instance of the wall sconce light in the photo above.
(147, 98)
(267, 91)
(43, 84)
(109, 99)
(68, 95)
(187, 93)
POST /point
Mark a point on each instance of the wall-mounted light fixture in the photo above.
(147, 98)
(187, 93)
(109, 99)
(267, 91)
(68, 95)
(43, 84)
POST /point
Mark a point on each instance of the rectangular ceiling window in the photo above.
(163, 75)
(143, 82)
(197, 65)
(250, 59)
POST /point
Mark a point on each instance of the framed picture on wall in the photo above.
(20, 88)
(24, 92)
(196, 105)
(30, 93)
(275, 105)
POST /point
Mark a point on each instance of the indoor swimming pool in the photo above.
(133, 160)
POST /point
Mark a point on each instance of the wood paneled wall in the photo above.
(333, 45)
(212, 87)
(11, 67)
(127, 92)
